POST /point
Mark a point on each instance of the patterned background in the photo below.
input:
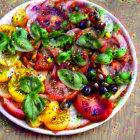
(126, 124)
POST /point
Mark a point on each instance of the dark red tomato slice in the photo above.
(78, 6)
(13, 108)
(44, 61)
(51, 17)
(58, 91)
(94, 108)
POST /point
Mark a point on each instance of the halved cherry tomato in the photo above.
(44, 61)
(13, 108)
(58, 91)
(116, 65)
(94, 108)
(127, 59)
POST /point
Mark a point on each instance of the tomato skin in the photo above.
(58, 91)
(116, 65)
(88, 105)
(41, 63)
(13, 108)
(84, 68)
(54, 51)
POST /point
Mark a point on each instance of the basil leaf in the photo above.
(73, 80)
(5, 46)
(30, 83)
(123, 78)
(33, 105)
(76, 18)
(19, 40)
(88, 41)
(103, 59)
(58, 39)
(37, 32)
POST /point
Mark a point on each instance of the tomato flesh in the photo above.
(13, 108)
(94, 108)
(58, 91)
(44, 62)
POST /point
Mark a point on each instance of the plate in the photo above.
(6, 19)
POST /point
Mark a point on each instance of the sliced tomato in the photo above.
(116, 65)
(126, 59)
(94, 108)
(56, 90)
(13, 108)
(83, 69)
(44, 61)
(54, 51)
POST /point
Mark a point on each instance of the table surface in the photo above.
(125, 125)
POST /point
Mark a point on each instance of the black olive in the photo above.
(65, 105)
(91, 74)
(82, 25)
(103, 90)
(87, 90)
(95, 87)
(113, 88)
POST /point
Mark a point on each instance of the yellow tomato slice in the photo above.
(13, 84)
(9, 60)
(5, 75)
(13, 90)
(20, 18)
(7, 29)
(57, 121)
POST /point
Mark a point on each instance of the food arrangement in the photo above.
(63, 65)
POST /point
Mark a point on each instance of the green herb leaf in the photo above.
(77, 58)
(62, 57)
(5, 46)
(20, 42)
(119, 53)
(76, 18)
(33, 105)
(123, 78)
(37, 32)
(30, 83)
(71, 79)
(58, 39)
(88, 41)
(103, 59)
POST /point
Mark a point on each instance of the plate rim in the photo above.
(93, 125)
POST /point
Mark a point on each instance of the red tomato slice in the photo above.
(13, 108)
(44, 61)
(54, 51)
(58, 91)
(84, 68)
(116, 65)
(94, 108)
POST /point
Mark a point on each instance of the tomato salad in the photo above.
(63, 64)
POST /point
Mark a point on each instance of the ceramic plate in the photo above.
(7, 19)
